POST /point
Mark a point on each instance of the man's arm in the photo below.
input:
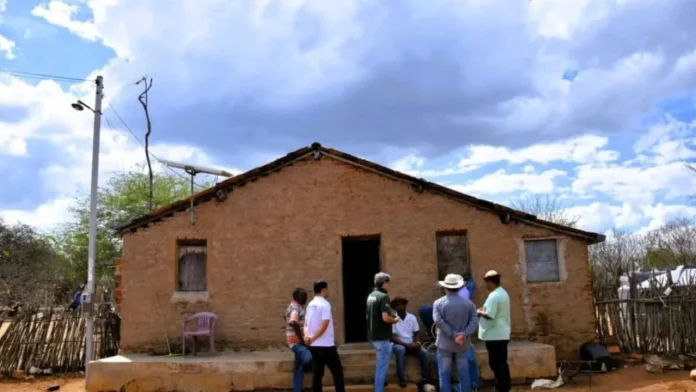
(396, 340)
(473, 321)
(295, 325)
(490, 309)
(322, 328)
(387, 312)
(416, 332)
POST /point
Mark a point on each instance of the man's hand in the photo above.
(482, 313)
(414, 346)
(308, 340)
(460, 340)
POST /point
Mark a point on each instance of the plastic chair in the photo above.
(205, 326)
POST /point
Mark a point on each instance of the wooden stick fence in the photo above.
(53, 341)
(651, 323)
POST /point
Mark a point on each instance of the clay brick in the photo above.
(284, 231)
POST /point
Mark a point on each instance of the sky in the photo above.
(592, 101)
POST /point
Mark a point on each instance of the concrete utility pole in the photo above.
(88, 297)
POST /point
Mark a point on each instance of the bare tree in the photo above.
(622, 252)
(29, 267)
(549, 207)
(143, 98)
(672, 244)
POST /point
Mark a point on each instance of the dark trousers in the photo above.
(327, 356)
(498, 361)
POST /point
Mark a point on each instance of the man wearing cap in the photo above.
(456, 320)
(407, 342)
(380, 318)
(495, 330)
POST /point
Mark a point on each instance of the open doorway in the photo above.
(360, 264)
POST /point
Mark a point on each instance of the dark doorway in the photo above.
(360, 264)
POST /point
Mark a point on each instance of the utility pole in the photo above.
(88, 297)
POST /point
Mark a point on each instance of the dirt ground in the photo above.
(634, 379)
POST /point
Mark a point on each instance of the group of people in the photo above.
(393, 331)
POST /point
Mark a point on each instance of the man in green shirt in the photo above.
(380, 318)
(494, 329)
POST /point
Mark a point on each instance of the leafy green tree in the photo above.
(125, 197)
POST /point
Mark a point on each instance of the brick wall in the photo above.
(285, 230)
(118, 293)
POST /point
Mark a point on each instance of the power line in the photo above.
(41, 76)
(143, 144)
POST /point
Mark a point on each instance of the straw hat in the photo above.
(452, 281)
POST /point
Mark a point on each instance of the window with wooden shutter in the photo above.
(542, 261)
(452, 254)
(192, 265)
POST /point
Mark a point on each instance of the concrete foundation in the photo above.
(228, 371)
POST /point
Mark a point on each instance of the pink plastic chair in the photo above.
(205, 326)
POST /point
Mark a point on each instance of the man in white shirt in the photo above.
(406, 340)
(319, 336)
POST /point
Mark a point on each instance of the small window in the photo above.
(542, 261)
(191, 268)
(452, 255)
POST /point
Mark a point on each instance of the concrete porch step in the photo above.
(369, 388)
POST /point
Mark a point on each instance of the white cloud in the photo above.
(668, 141)
(637, 185)
(287, 54)
(7, 46)
(289, 51)
(501, 182)
(582, 149)
(605, 215)
(585, 149)
(408, 164)
(61, 14)
(660, 214)
(44, 217)
(51, 120)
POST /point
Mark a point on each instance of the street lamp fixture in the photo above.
(80, 106)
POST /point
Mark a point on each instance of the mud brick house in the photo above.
(320, 213)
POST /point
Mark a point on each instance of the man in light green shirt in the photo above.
(494, 329)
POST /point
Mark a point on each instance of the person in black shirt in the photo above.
(380, 318)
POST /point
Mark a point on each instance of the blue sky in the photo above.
(589, 100)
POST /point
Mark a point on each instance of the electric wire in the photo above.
(41, 76)
(143, 144)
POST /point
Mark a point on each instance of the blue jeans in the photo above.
(302, 359)
(400, 352)
(384, 351)
(444, 368)
(473, 368)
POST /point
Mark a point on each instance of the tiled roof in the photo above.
(506, 214)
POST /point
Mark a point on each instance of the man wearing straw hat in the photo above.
(456, 320)
(495, 330)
